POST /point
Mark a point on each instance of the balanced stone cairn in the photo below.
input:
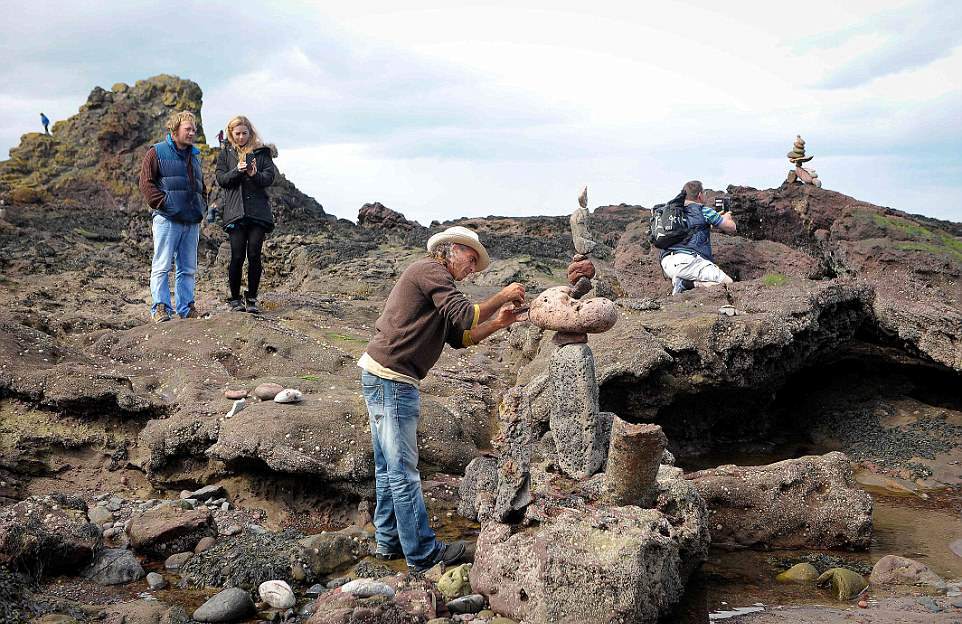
(799, 173)
(583, 433)
(588, 496)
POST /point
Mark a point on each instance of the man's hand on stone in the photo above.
(580, 268)
(509, 314)
(513, 293)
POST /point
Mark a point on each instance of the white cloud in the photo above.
(440, 109)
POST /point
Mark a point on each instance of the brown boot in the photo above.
(161, 314)
(192, 312)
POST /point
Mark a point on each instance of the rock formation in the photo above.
(582, 536)
(810, 502)
(844, 326)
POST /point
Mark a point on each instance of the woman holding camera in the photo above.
(244, 170)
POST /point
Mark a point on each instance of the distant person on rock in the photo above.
(424, 311)
(172, 182)
(689, 264)
(244, 170)
(46, 123)
(220, 139)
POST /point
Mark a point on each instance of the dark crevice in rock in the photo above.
(869, 401)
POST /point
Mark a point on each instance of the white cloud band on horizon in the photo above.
(440, 110)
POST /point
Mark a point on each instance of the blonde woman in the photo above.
(244, 170)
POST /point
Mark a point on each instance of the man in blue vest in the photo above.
(46, 123)
(172, 183)
(689, 264)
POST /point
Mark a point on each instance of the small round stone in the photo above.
(267, 391)
(233, 395)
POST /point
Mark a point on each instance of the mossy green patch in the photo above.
(774, 279)
(897, 224)
(930, 248)
(310, 378)
(929, 240)
(24, 427)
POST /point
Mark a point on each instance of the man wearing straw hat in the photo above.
(424, 311)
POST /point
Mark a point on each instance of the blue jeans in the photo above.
(174, 242)
(400, 517)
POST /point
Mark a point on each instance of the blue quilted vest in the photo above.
(700, 240)
(183, 201)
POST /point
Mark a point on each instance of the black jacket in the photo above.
(244, 195)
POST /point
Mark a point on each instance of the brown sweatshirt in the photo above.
(424, 311)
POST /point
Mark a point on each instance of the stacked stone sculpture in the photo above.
(799, 173)
(587, 495)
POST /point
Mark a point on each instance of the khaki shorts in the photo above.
(695, 268)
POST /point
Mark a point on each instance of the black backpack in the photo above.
(669, 224)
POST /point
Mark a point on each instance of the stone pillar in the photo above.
(513, 444)
(633, 459)
(574, 418)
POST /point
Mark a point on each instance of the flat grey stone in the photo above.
(114, 566)
(207, 492)
(156, 581)
(467, 604)
(99, 515)
(930, 604)
(176, 562)
(230, 605)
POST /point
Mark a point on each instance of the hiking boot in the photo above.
(446, 554)
(252, 305)
(679, 285)
(160, 314)
(236, 305)
(386, 555)
(191, 312)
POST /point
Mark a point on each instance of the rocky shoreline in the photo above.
(828, 372)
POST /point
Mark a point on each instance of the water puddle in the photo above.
(735, 612)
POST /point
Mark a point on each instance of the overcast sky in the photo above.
(446, 109)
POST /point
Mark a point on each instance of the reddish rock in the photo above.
(417, 602)
(235, 394)
(267, 391)
(555, 309)
(169, 529)
(579, 269)
(895, 570)
(379, 216)
(566, 338)
(204, 544)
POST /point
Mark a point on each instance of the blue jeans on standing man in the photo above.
(400, 517)
(174, 242)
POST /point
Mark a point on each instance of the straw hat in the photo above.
(463, 236)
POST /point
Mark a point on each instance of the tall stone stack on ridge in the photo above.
(585, 524)
(799, 173)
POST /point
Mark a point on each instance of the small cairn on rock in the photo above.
(801, 174)
(589, 498)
